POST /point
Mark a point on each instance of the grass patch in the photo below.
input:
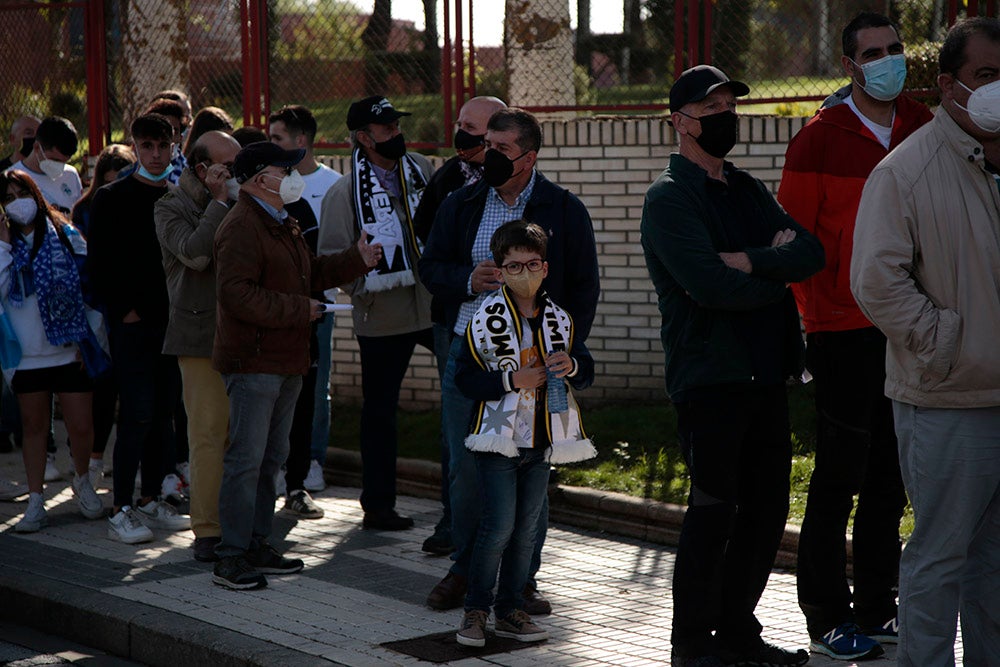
(637, 448)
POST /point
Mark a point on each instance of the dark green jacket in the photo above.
(698, 295)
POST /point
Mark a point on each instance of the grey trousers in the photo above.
(950, 461)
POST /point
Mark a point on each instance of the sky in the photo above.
(605, 17)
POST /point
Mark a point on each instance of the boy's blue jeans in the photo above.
(513, 492)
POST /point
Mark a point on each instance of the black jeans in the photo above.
(148, 385)
(300, 437)
(384, 360)
(737, 447)
(856, 453)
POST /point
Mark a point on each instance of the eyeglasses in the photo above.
(514, 268)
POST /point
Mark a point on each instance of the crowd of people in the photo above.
(186, 296)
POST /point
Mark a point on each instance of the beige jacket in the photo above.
(395, 311)
(926, 268)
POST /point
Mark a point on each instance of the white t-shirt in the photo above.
(62, 192)
(882, 133)
(317, 183)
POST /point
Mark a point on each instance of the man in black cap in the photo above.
(264, 277)
(721, 253)
(392, 310)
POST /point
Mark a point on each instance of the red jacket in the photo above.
(826, 166)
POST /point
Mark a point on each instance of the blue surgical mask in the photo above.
(884, 78)
(159, 177)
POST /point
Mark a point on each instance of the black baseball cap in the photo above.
(259, 155)
(695, 84)
(375, 109)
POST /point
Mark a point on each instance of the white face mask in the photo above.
(22, 210)
(51, 168)
(983, 106)
(291, 188)
(232, 188)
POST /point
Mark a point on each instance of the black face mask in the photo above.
(465, 141)
(391, 149)
(26, 145)
(718, 132)
(498, 168)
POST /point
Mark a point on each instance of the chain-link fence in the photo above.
(99, 62)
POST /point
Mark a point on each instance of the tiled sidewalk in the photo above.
(362, 588)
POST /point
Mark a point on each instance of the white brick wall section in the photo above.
(608, 163)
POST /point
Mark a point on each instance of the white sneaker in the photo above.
(10, 490)
(51, 471)
(172, 487)
(95, 471)
(34, 518)
(314, 480)
(164, 516)
(126, 527)
(184, 472)
(90, 505)
(280, 488)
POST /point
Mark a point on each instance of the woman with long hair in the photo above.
(112, 160)
(206, 120)
(40, 288)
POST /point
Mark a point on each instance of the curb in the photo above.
(136, 631)
(606, 511)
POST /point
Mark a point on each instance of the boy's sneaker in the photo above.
(887, 633)
(34, 518)
(95, 471)
(86, 498)
(314, 479)
(473, 630)
(517, 625)
(172, 488)
(163, 516)
(51, 471)
(237, 573)
(762, 654)
(846, 642)
(126, 527)
(266, 559)
(301, 504)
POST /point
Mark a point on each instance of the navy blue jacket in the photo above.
(573, 281)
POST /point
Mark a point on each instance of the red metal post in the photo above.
(459, 57)
(446, 74)
(952, 12)
(98, 127)
(693, 50)
(247, 51)
(706, 43)
(678, 38)
(265, 61)
(472, 55)
(972, 9)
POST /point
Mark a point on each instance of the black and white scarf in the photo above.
(494, 337)
(376, 216)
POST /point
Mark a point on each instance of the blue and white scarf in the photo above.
(494, 338)
(53, 275)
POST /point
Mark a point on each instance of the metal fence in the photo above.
(98, 62)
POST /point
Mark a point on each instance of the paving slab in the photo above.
(153, 603)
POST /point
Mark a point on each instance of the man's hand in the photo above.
(559, 363)
(370, 253)
(737, 260)
(783, 237)
(485, 277)
(215, 181)
(131, 317)
(532, 377)
(316, 310)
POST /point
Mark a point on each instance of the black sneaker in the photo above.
(237, 573)
(763, 654)
(266, 559)
(681, 659)
(439, 543)
(386, 519)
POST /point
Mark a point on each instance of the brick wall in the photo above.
(608, 163)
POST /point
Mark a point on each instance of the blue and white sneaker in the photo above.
(846, 642)
(887, 633)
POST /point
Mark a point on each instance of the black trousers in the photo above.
(856, 454)
(738, 450)
(300, 437)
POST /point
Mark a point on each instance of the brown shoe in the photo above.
(449, 593)
(534, 603)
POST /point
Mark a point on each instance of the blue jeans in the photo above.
(466, 497)
(442, 345)
(260, 417)
(513, 489)
(321, 402)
